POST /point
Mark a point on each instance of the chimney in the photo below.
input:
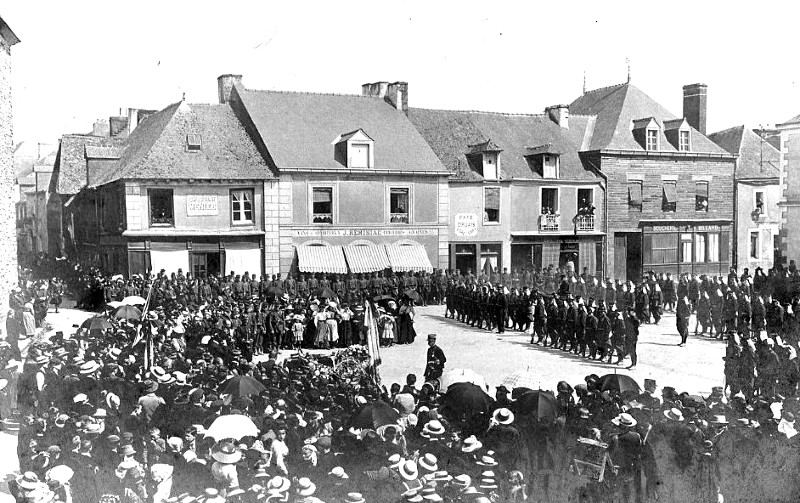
(117, 125)
(695, 97)
(397, 96)
(100, 128)
(375, 90)
(133, 119)
(225, 84)
(559, 114)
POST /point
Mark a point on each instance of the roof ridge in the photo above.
(312, 93)
(606, 87)
(510, 114)
(727, 129)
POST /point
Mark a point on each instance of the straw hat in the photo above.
(486, 461)
(503, 416)
(471, 444)
(28, 481)
(395, 460)
(305, 487)
(408, 470)
(339, 473)
(673, 414)
(624, 419)
(432, 428)
(89, 367)
(462, 481)
(355, 498)
(428, 462)
(226, 452)
(278, 484)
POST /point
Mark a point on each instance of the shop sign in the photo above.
(201, 205)
(315, 233)
(466, 224)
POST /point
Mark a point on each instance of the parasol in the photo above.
(521, 379)
(243, 386)
(134, 300)
(114, 304)
(466, 398)
(618, 382)
(462, 375)
(540, 405)
(235, 426)
(129, 313)
(96, 323)
(374, 415)
(413, 295)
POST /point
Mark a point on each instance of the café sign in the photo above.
(199, 205)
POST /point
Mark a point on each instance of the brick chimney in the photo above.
(118, 125)
(559, 114)
(100, 128)
(695, 97)
(225, 84)
(375, 90)
(397, 96)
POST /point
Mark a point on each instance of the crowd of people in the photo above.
(134, 411)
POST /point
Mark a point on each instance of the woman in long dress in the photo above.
(333, 326)
(322, 339)
(405, 326)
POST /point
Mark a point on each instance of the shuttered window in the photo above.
(491, 204)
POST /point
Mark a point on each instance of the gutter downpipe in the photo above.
(605, 213)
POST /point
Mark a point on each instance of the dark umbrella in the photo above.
(618, 382)
(275, 291)
(325, 292)
(518, 392)
(243, 386)
(537, 404)
(129, 313)
(465, 397)
(374, 415)
(379, 298)
(413, 295)
(96, 323)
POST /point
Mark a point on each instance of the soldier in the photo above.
(324, 282)
(302, 287)
(591, 332)
(425, 288)
(579, 346)
(290, 286)
(617, 337)
(505, 278)
(338, 286)
(441, 287)
(363, 286)
(516, 280)
(603, 334)
(682, 313)
(352, 289)
(313, 284)
(553, 321)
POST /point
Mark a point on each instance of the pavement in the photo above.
(694, 368)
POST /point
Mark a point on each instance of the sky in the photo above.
(84, 60)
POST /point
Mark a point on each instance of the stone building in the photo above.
(8, 238)
(790, 190)
(757, 194)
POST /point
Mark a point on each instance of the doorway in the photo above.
(465, 257)
(204, 264)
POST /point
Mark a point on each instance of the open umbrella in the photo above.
(374, 415)
(129, 313)
(235, 426)
(537, 404)
(521, 379)
(96, 323)
(243, 386)
(461, 375)
(114, 304)
(134, 300)
(618, 382)
(413, 295)
(325, 293)
(466, 398)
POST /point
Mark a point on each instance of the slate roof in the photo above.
(156, 149)
(450, 134)
(298, 128)
(793, 120)
(757, 158)
(616, 106)
(69, 170)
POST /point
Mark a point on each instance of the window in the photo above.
(699, 247)
(549, 201)
(683, 141)
(322, 205)
(652, 139)
(586, 202)
(549, 166)
(359, 155)
(161, 211)
(242, 206)
(398, 205)
(754, 245)
(490, 166)
(713, 247)
(669, 201)
(686, 248)
(491, 205)
(194, 142)
(701, 196)
(663, 249)
(635, 195)
(759, 201)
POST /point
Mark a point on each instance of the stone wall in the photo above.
(8, 241)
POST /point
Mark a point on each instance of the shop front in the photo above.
(693, 248)
(480, 258)
(566, 252)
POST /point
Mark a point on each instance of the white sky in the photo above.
(83, 60)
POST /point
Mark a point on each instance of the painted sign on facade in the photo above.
(201, 205)
(466, 224)
(312, 233)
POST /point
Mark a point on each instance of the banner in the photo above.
(373, 337)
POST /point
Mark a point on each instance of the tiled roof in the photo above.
(157, 148)
(615, 108)
(98, 152)
(793, 120)
(757, 158)
(69, 170)
(487, 146)
(298, 128)
(450, 133)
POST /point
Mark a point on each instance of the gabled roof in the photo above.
(676, 124)
(351, 134)
(645, 123)
(757, 158)
(9, 36)
(297, 129)
(615, 108)
(156, 149)
(450, 134)
(487, 146)
(70, 168)
(793, 120)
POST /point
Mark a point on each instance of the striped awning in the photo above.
(366, 258)
(408, 258)
(327, 259)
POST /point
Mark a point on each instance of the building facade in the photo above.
(790, 190)
(757, 194)
(670, 189)
(8, 238)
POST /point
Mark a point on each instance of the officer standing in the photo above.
(434, 367)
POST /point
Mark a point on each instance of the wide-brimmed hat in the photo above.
(428, 462)
(211, 495)
(89, 367)
(408, 470)
(60, 473)
(412, 497)
(395, 460)
(226, 452)
(339, 473)
(354, 498)
(159, 374)
(433, 428)
(674, 414)
(488, 484)
(463, 481)
(503, 416)
(429, 493)
(486, 461)
(471, 444)
(442, 476)
(28, 481)
(278, 484)
(624, 419)
(305, 487)
(127, 450)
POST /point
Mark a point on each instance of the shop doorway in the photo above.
(465, 257)
(568, 256)
(204, 264)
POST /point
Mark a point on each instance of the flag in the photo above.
(371, 323)
(149, 348)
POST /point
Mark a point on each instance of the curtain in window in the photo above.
(635, 194)
(586, 256)
(169, 260)
(323, 195)
(241, 257)
(551, 252)
(699, 247)
(713, 247)
(670, 192)
(686, 248)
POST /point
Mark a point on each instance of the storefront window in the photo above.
(713, 247)
(700, 248)
(686, 248)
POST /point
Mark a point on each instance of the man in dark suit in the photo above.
(435, 361)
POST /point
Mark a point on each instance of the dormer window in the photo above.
(550, 166)
(355, 150)
(683, 141)
(645, 132)
(194, 142)
(652, 139)
(678, 133)
(484, 158)
(545, 160)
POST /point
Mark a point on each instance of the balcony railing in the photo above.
(161, 219)
(584, 222)
(322, 218)
(549, 222)
(398, 218)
